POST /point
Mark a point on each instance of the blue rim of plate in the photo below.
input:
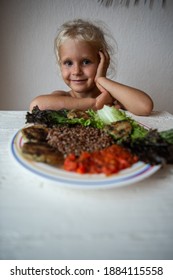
(137, 172)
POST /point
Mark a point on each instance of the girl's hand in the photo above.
(103, 99)
(103, 64)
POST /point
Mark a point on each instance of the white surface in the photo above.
(44, 220)
(27, 32)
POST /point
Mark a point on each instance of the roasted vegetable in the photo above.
(42, 152)
(119, 130)
(35, 133)
(152, 148)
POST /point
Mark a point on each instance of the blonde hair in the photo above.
(91, 32)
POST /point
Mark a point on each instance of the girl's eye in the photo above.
(68, 63)
(86, 61)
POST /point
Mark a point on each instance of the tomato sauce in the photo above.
(108, 161)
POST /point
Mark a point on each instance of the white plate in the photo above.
(135, 173)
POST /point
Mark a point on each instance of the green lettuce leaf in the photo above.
(167, 135)
(110, 114)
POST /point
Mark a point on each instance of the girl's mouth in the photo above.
(78, 81)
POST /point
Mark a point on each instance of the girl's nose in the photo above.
(77, 69)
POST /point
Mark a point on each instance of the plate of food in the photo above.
(86, 150)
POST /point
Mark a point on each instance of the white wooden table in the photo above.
(40, 219)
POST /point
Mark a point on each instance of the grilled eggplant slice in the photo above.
(36, 147)
(119, 130)
(42, 152)
(35, 133)
(77, 114)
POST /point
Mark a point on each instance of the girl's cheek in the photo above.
(64, 73)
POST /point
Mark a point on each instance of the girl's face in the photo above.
(78, 63)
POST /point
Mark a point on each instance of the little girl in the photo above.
(83, 55)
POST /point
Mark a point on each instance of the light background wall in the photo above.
(27, 61)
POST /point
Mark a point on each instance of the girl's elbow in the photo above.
(147, 108)
(150, 107)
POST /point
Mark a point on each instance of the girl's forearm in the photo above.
(132, 99)
(57, 102)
